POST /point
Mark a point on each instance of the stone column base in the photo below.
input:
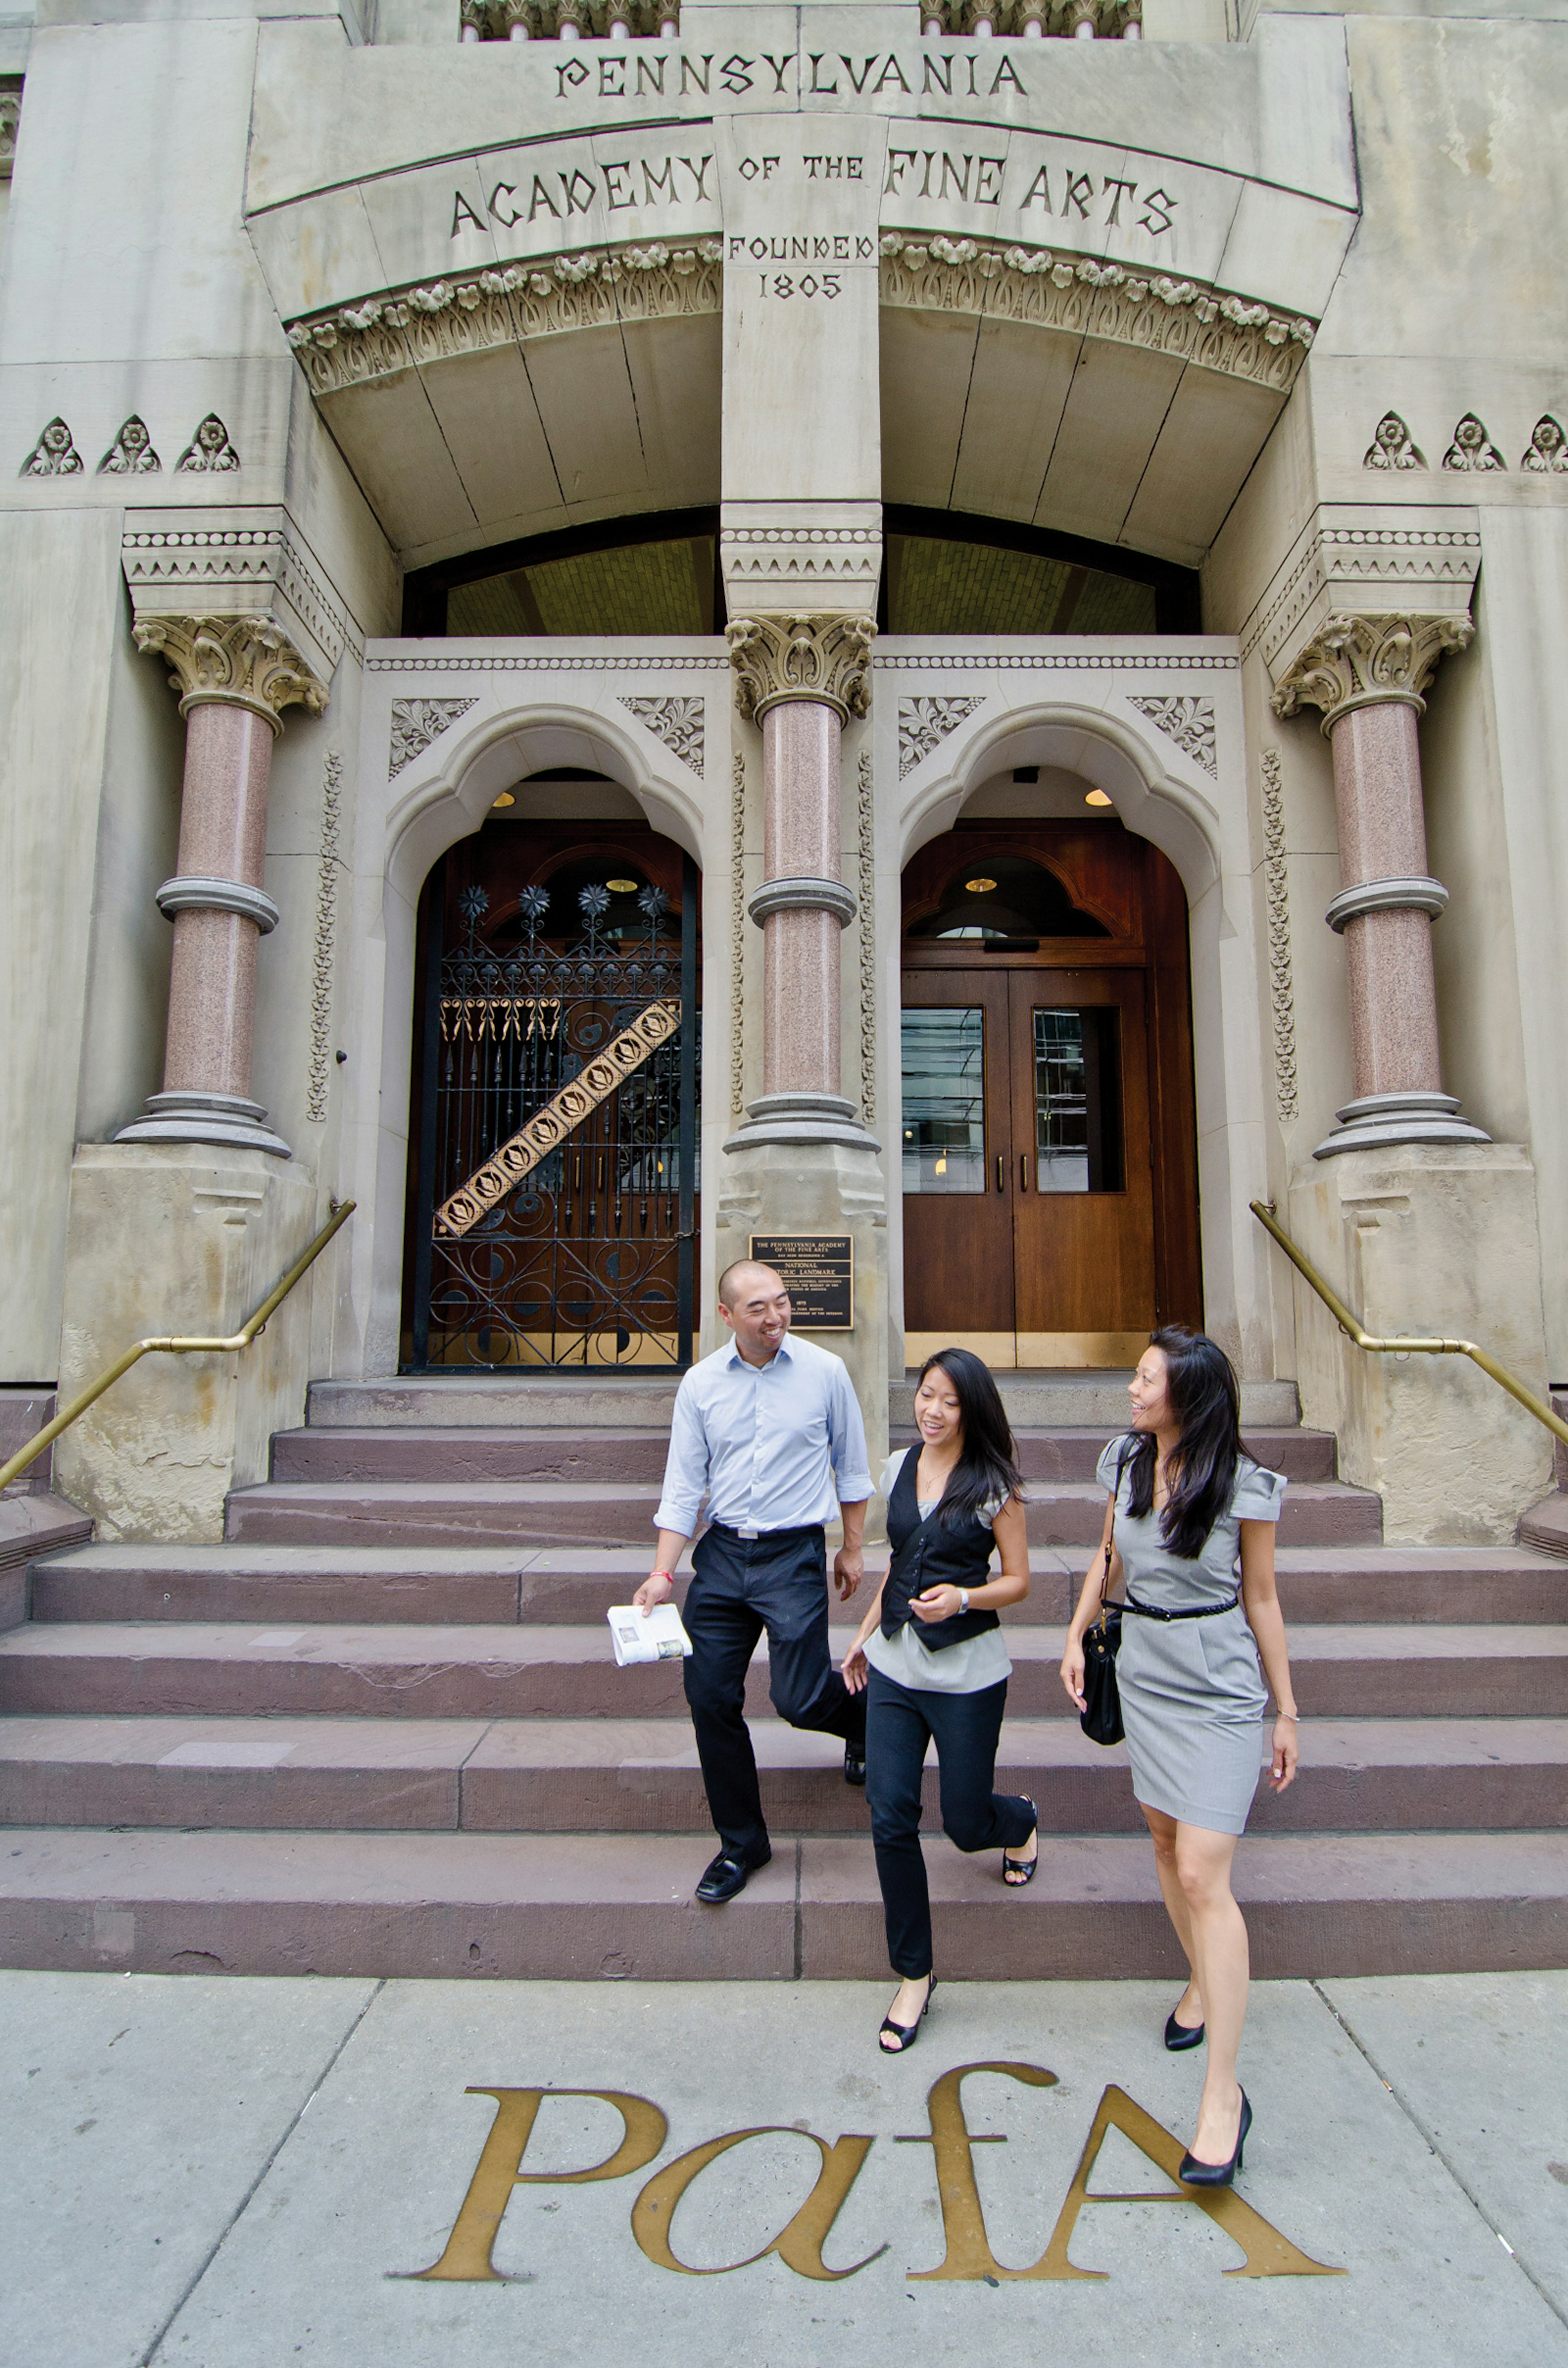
(164, 1239)
(1379, 1120)
(802, 1118)
(773, 1185)
(1427, 1238)
(186, 1116)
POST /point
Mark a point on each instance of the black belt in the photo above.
(1199, 1612)
(768, 1537)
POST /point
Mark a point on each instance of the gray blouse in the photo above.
(1166, 1580)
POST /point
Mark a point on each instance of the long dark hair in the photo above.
(985, 1474)
(1202, 1471)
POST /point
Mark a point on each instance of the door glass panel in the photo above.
(944, 1091)
(1077, 1099)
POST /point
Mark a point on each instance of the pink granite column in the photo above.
(234, 675)
(801, 676)
(1367, 675)
(799, 941)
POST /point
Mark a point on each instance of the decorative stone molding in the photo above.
(234, 662)
(800, 656)
(326, 917)
(925, 724)
(131, 454)
(240, 562)
(1392, 446)
(54, 454)
(1073, 293)
(195, 894)
(1548, 445)
(209, 450)
(679, 723)
(1387, 897)
(442, 657)
(770, 559)
(1189, 723)
(1354, 559)
(865, 815)
(472, 311)
(737, 933)
(1276, 888)
(10, 117)
(416, 722)
(1472, 448)
(801, 895)
(1148, 661)
(1368, 662)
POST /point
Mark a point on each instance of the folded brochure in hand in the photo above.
(658, 1637)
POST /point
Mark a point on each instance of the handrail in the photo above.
(176, 1346)
(1402, 1344)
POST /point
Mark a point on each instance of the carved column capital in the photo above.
(233, 662)
(801, 655)
(1369, 661)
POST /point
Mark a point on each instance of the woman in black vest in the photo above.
(930, 1650)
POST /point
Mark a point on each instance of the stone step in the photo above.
(536, 1671)
(451, 1455)
(620, 1907)
(279, 1586)
(446, 1453)
(585, 1776)
(1077, 1400)
(1074, 1455)
(567, 1400)
(527, 1513)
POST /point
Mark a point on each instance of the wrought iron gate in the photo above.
(557, 1200)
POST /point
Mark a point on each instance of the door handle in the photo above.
(1023, 1171)
(1001, 1175)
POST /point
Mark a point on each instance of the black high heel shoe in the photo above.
(1194, 2173)
(1180, 2036)
(905, 2035)
(1016, 1872)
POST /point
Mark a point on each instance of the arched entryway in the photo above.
(1049, 1139)
(552, 1179)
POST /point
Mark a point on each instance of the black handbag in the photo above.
(1100, 1717)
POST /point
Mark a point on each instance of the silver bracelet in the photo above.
(1294, 1717)
(964, 1600)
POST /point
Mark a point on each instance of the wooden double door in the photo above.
(1050, 1202)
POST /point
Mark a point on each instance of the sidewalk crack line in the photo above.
(145, 2359)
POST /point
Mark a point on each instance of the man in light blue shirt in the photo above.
(768, 1431)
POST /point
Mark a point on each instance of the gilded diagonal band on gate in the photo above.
(550, 1127)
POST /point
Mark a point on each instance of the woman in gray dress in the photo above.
(1188, 1508)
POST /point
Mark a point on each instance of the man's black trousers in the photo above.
(739, 1587)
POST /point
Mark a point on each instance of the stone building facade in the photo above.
(1026, 552)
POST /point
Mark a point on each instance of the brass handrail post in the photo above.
(176, 1346)
(1402, 1344)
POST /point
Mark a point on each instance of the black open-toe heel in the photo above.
(1016, 1872)
(1194, 2173)
(905, 2035)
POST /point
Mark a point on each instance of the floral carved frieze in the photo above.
(1548, 445)
(1074, 292)
(54, 454)
(925, 724)
(1278, 889)
(233, 661)
(209, 450)
(1392, 446)
(678, 723)
(131, 454)
(1473, 449)
(1189, 723)
(1366, 661)
(800, 656)
(416, 722)
(473, 311)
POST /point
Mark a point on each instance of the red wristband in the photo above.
(663, 1574)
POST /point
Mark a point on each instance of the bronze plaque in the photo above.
(819, 1273)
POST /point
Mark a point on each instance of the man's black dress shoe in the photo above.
(728, 1874)
(854, 1763)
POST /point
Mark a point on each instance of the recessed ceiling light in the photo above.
(621, 887)
(980, 887)
(1096, 797)
(505, 799)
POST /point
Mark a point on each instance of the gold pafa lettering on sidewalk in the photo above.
(467, 2256)
(550, 1127)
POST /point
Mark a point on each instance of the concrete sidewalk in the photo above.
(247, 2174)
